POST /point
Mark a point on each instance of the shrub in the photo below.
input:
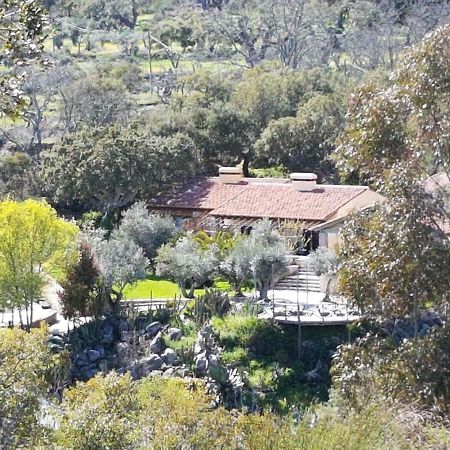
(322, 261)
(415, 371)
(27, 371)
(212, 303)
(236, 356)
(262, 338)
(101, 413)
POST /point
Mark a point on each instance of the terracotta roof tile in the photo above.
(282, 201)
(260, 198)
(199, 193)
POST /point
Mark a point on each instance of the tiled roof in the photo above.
(282, 201)
(199, 193)
(253, 197)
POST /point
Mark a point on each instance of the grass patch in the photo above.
(158, 287)
(183, 343)
(152, 287)
(236, 356)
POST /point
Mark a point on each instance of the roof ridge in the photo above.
(341, 206)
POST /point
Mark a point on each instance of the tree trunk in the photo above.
(183, 290)
(245, 165)
(263, 291)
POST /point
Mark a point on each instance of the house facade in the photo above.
(297, 203)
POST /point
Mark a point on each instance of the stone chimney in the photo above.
(230, 175)
(304, 182)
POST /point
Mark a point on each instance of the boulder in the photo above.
(171, 372)
(156, 373)
(201, 364)
(153, 329)
(89, 371)
(107, 333)
(103, 365)
(93, 355)
(169, 356)
(122, 349)
(213, 360)
(81, 360)
(124, 326)
(101, 350)
(185, 373)
(157, 344)
(174, 334)
(150, 363)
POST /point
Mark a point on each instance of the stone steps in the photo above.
(301, 279)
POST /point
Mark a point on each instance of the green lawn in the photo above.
(157, 287)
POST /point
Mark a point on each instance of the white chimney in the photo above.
(304, 182)
(230, 175)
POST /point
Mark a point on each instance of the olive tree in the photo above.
(120, 263)
(236, 267)
(259, 257)
(268, 256)
(148, 231)
(187, 264)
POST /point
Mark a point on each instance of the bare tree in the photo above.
(245, 26)
(29, 134)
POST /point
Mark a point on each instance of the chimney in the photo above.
(304, 182)
(230, 175)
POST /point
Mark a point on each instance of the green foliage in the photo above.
(112, 411)
(186, 263)
(81, 294)
(22, 34)
(322, 261)
(120, 262)
(15, 175)
(403, 121)
(236, 356)
(393, 259)
(269, 172)
(212, 303)
(258, 257)
(26, 365)
(91, 218)
(101, 413)
(172, 411)
(148, 231)
(224, 241)
(262, 338)
(94, 165)
(31, 235)
(303, 143)
(414, 371)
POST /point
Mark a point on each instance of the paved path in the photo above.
(39, 315)
(50, 315)
(50, 293)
